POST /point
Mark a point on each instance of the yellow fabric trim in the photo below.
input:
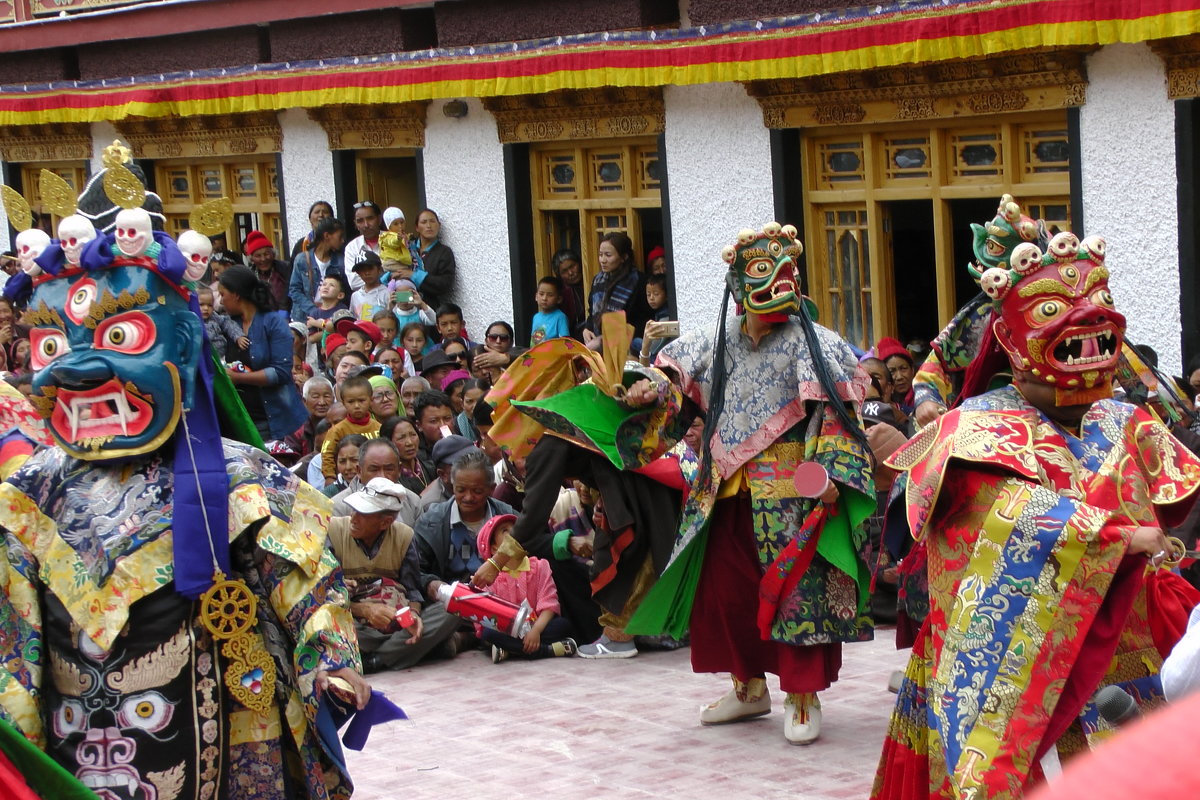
(297, 720)
(301, 542)
(1034, 35)
(734, 484)
(22, 707)
(12, 465)
(250, 726)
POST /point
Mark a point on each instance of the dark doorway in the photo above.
(962, 214)
(914, 272)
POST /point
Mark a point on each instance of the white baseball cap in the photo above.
(378, 496)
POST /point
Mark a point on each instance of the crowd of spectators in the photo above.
(362, 375)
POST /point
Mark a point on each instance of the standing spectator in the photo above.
(656, 261)
(412, 339)
(367, 221)
(549, 322)
(220, 261)
(451, 325)
(900, 365)
(313, 265)
(275, 274)
(265, 384)
(498, 347)
(435, 276)
(567, 268)
(316, 212)
(617, 286)
(410, 306)
(372, 295)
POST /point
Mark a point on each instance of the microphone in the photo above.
(1116, 706)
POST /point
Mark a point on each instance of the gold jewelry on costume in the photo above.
(227, 611)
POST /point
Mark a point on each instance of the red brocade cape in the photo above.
(1035, 602)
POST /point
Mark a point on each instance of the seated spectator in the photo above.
(317, 394)
(344, 458)
(410, 390)
(350, 361)
(528, 582)
(498, 347)
(391, 360)
(447, 533)
(378, 458)
(656, 262)
(432, 412)
(415, 474)
(445, 453)
(453, 385)
(334, 348)
(356, 397)
(375, 550)
(456, 350)
(385, 398)
(435, 366)
(472, 392)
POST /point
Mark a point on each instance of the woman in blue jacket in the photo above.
(261, 371)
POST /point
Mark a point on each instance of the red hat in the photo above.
(366, 328)
(653, 254)
(256, 240)
(889, 347)
(332, 342)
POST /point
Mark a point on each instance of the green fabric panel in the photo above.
(231, 414)
(43, 774)
(584, 411)
(836, 545)
(667, 607)
(561, 544)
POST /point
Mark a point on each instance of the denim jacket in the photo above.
(271, 350)
(302, 287)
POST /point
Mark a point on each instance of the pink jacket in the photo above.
(536, 585)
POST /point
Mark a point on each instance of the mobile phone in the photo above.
(404, 296)
(669, 328)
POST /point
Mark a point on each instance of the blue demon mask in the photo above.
(114, 352)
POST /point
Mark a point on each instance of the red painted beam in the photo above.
(173, 16)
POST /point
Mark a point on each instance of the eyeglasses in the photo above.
(384, 395)
(499, 337)
(457, 356)
(364, 204)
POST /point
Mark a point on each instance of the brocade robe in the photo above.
(1034, 601)
(109, 669)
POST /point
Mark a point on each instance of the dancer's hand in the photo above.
(350, 680)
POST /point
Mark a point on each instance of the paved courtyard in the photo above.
(570, 728)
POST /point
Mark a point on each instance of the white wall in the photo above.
(307, 171)
(103, 134)
(1127, 137)
(464, 184)
(719, 173)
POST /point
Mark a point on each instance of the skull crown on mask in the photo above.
(30, 244)
(74, 232)
(133, 231)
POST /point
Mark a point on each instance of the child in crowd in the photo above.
(450, 324)
(222, 331)
(361, 335)
(346, 455)
(473, 392)
(331, 297)
(656, 298)
(335, 348)
(412, 338)
(549, 322)
(409, 305)
(373, 295)
(530, 581)
(356, 397)
(389, 330)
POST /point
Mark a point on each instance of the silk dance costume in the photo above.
(1027, 500)
(169, 608)
(768, 580)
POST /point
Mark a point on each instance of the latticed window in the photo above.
(250, 184)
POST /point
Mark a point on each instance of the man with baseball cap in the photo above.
(382, 569)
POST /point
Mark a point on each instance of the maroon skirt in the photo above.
(724, 627)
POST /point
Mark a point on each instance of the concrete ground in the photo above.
(572, 728)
